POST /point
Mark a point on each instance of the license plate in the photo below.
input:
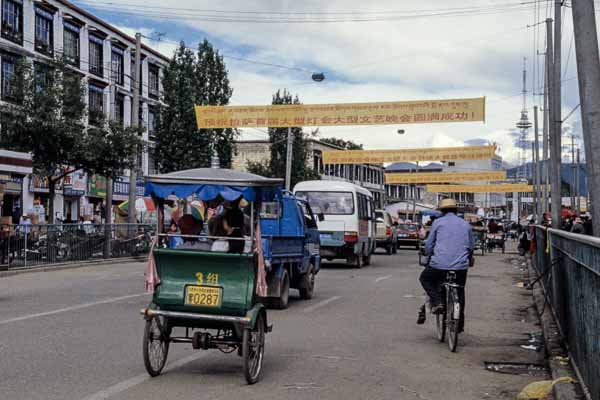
(205, 296)
(325, 237)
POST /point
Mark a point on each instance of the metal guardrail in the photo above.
(569, 266)
(28, 246)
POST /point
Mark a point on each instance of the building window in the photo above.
(43, 31)
(96, 55)
(96, 104)
(153, 76)
(71, 43)
(12, 20)
(8, 74)
(120, 108)
(151, 122)
(116, 58)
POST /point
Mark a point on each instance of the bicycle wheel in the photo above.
(440, 320)
(453, 319)
(155, 348)
(253, 350)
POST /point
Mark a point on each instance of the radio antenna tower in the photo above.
(523, 125)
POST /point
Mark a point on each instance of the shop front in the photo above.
(14, 167)
(74, 188)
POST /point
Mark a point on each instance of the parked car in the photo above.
(408, 235)
(386, 233)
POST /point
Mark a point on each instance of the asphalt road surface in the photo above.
(77, 334)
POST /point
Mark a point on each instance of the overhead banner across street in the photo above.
(443, 177)
(383, 113)
(500, 188)
(408, 155)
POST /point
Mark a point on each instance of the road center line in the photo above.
(382, 278)
(72, 308)
(137, 380)
(321, 304)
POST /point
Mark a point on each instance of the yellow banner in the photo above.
(384, 113)
(408, 155)
(501, 188)
(442, 177)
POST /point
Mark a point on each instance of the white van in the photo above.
(346, 219)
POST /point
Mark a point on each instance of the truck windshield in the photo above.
(330, 203)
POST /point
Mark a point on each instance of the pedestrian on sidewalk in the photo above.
(450, 248)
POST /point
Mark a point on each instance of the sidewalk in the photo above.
(501, 320)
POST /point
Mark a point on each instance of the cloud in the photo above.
(404, 59)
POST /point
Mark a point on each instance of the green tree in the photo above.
(192, 79)
(47, 118)
(213, 88)
(344, 144)
(278, 139)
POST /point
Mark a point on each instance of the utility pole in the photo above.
(546, 131)
(535, 185)
(577, 188)
(135, 117)
(572, 185)
(588, 73)
(536, 164)
(288, 160)
(555, 120)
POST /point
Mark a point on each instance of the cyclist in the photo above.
(450, 248)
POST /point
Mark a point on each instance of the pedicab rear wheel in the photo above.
(155, 347)
(253, 350)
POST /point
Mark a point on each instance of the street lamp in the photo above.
(318, 76)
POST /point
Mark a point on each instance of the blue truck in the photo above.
(290, 241)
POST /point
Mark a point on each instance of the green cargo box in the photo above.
(232, 273)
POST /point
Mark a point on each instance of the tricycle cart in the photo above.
(496, 241)
(479, 238)
(207, 297)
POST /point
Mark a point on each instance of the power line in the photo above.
(170, 13)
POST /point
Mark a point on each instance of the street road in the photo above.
(77, 334)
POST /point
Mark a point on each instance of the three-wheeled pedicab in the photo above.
(204, 295)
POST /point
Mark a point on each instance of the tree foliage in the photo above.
(344, 144)
(47, 116)
(278, 138)
(192, 79)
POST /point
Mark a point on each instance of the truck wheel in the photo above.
(307, 291)
(395, 248)
(388, 249)
(366, 260)
(354, 261)
(282, 302)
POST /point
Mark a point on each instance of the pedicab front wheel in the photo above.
(155, 347)
(253, 350)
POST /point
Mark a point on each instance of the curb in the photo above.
(61, 267)
(558, 357)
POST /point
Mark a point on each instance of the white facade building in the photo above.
(40, 30)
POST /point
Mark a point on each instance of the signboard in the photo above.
(442, 177)
(39, 184)
(408, 155)
(97, 186)
(13, 185)
(384, 113)
(500, 188)
(121, 188)
(75, 184)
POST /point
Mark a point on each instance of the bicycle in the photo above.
(449, 318)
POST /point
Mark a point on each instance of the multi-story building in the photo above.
(369, 176)
(103, 55)
(479, 200)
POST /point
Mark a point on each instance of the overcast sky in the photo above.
(474, 48)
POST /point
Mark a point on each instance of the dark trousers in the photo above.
(432, 279)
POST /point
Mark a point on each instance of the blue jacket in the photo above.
(450, 243)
